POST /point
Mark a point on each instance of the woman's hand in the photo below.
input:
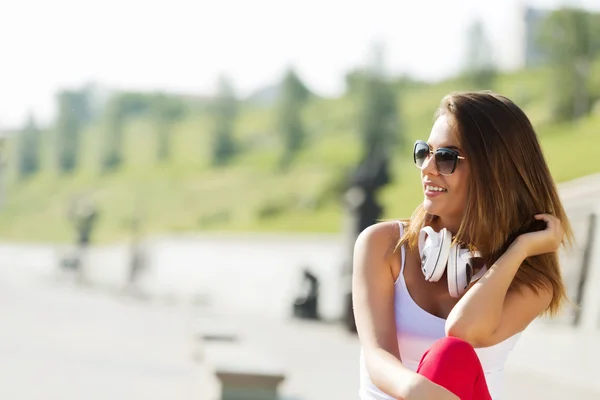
(541, 242)
(423, 389)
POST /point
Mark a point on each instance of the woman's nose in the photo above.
(429, 165)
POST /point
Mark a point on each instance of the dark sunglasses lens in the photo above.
(445, 161)
(421, 153)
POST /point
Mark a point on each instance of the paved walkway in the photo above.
(62, 342)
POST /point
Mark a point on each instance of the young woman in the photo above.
(441, 299)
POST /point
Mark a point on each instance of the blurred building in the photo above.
(532, 19)
(526, 50)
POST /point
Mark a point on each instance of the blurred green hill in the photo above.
(186, 194)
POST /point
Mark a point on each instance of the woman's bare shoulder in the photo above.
(381, 237)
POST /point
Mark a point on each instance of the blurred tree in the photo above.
(29, 149)
(293, 96)
(114, 121)
(379, 124)
(3, 164)
(165, 112)
(479, 70)
(224, 112)
(570, 39)
(356, 78)
(134, 104)
(87, 107)
(354, 81)
(594, 33)
(68, 130)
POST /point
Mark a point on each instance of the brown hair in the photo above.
(510, 183)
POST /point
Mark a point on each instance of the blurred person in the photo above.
(441, 299)
(306, 304)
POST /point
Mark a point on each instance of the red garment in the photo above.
(453, 364)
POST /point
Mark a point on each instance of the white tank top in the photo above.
(417, 330)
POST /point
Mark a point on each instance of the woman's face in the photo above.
(449, 202)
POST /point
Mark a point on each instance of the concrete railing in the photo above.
(581, 270)
(588, 291)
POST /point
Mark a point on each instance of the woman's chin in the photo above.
(430, 206)
(433, 207)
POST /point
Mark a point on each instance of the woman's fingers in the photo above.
(552, 222)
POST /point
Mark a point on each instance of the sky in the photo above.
(184, 45)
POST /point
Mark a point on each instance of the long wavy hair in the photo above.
(510, 183)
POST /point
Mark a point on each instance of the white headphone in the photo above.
(437, 252)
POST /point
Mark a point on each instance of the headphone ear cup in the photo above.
(431, 235)
(427, 250)
(439, 263)
(460, 270)
(456, 273)
(433, 252)
(479, 273)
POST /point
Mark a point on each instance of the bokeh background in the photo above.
(169, 169)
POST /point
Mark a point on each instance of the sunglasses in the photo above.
(445, 159)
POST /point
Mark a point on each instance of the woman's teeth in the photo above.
(435, 189)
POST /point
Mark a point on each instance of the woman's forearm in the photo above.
(477, 314)
(389, 374)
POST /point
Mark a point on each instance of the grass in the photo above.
(186, 194)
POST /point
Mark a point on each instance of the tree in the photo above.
(165, 111)
(479, 70)
(112, 154)
(569, 39)
(68, 130)
(3, 164)
(293, 96)
(380, 128)
(354, 80)
(29, 149)
(224, 112)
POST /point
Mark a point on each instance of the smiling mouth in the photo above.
(429, 188)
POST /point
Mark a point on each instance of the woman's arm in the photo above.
(373, 300)
(489, 313)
